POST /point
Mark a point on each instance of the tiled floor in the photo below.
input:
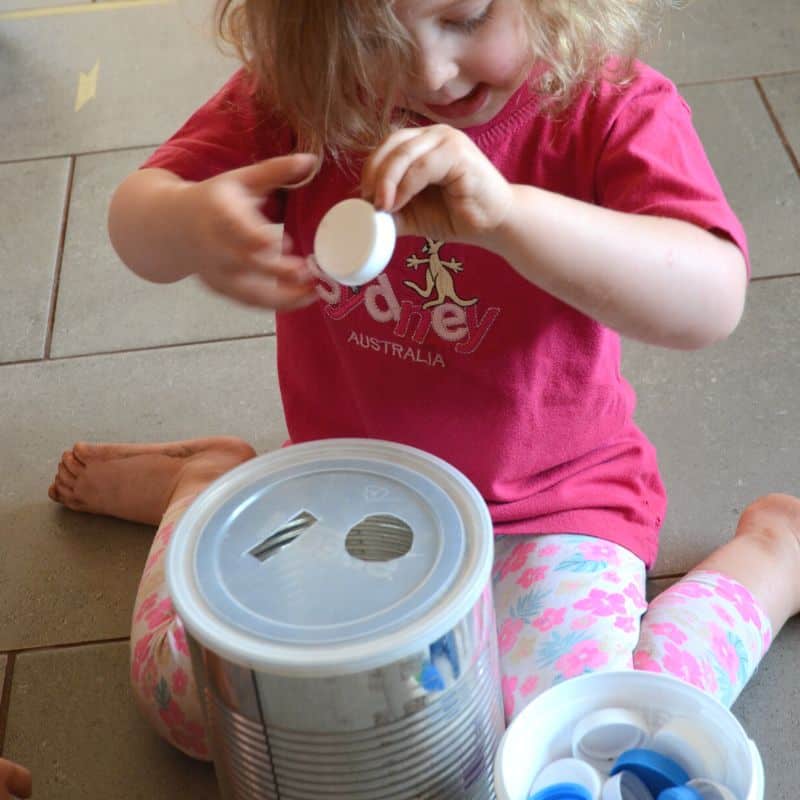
(88, 351)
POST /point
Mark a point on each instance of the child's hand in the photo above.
(15, 781)
(234, 249)
(437, 183)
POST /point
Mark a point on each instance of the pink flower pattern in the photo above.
(517, 559)
(682, 665)
(180, 681)
(626, 624)
(585, 656)
(531, 682)
(549, 618)
(602, 603)
(508, 686)
(741, 599)
(642, 660)
(530, 576)
(670, 630)
(509, 633)
(600, 551)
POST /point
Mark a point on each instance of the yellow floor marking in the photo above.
(79, 8)
(87, 86)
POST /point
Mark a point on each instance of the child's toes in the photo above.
(73, 465)
(64, 476)
(52, 493)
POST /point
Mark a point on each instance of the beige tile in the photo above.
(725, 421)
(72, 576)
(31, 209)
(769, 710)
(102, 306)
(156, 64)
(10, 6)
(783, 94)
(752, 165)
(711, 39)
(73, 722)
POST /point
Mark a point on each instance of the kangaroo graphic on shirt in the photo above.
(438, 278)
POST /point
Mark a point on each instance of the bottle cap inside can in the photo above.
(657, 772)
(602, 736)
(711, 790)
(569, 772)
(679, 793)
(625, 786)
(562, 791)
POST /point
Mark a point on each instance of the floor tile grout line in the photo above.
(132, 350)
(64, 646)
(62, 238)
(778, 127)
(150, 146)
(738, 78)
(5, 699)
(57, 156)
(246, 338)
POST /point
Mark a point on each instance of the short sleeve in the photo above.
(653, 162)
(231, 130)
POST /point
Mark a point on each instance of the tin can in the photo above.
(337, 601)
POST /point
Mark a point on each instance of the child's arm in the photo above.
(660, 280)
(15, 781)
(165, 228)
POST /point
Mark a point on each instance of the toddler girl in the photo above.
(551, 194)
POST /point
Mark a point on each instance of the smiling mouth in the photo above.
(463, 107)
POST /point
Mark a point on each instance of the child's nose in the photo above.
(435, 69)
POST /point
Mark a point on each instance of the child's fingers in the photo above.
(266, 292)
(14, 779)
(433, 168)
(375, 162)
(282, 172)
(422, 156)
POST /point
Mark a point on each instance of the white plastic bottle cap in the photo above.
(625, 786)
(711, 790)
(681, 740)
(354, 242)
(602, 736)
(569, 770)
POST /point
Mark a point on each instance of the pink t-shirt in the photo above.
(450, 349)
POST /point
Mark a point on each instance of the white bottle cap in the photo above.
(354, 242)
(693, 748)
(710, 790)
(625, 786)
(569, 770)
(602, 736)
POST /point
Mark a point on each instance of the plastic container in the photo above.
(542, 732)
(337, 602)
(354, 242)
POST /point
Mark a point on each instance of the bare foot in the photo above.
(138, 481)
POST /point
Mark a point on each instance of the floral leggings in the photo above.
(566, 604)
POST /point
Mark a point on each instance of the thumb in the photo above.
(282, 172)
(18, 780)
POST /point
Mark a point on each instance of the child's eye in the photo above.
(471, 24)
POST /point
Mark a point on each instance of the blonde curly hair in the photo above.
(326, 65)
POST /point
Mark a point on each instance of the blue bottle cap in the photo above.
(656, 772)
(562, 791)
(680, 793)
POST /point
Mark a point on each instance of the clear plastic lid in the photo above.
(330, 556)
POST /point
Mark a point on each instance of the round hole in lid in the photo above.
(379, 537)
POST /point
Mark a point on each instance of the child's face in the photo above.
(472, 56)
